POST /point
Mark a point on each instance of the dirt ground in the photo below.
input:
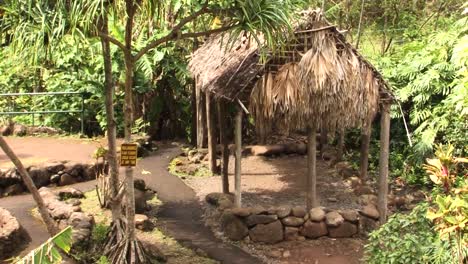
(36, 150)
(280, 181)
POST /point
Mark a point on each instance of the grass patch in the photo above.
(184, 170)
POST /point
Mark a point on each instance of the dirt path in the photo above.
(180, 215)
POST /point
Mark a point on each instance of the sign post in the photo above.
(128, 154)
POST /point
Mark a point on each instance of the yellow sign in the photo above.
(128, 154)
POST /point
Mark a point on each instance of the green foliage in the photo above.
(49, 252)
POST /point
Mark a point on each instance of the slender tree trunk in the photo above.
(111, 124)
(360, 24)
(224, 143)
(383, 161)
(49, 222)
(365, 142)
(211, 134)
(311, 192)
(201, 124)
(341, 144)
(238, 171)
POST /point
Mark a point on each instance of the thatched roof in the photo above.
(225, 72)
(317, 77)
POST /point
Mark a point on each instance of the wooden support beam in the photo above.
(311, 192)
(365, 142)
(211, 135)
(238, 142)
(224, 143)
(201, 121)
(341, 144)
(383, 161)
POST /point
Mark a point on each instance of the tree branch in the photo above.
(113, 41)
(173, 33)
(204, 33)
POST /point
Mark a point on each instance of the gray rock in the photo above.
(233, 227)
(213, 198)
(346, 229)
(55, 167)
(292, 221)
(70, 193)
(298, 211)
(40, 176)
(370, 211)
(140, 202)
(55, 178)
(317, 214)
(282, 212)
(314, 229)
(260, 219)
(333, 219)
(143, 223)
(13, 190)
(66, 179)
(139, 184)
(367, 225)
(242, 212)
(291, 233)
(350, 215)
(267, 233)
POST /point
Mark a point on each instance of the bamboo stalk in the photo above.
(365, 142)
(238, 142)
(311, 192)
(211, 135)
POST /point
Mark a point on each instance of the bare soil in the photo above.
(280, 181)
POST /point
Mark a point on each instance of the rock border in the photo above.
(50, 174)
(273, 225)
(12, 236)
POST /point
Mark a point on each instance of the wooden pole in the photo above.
(365, 142)
(311, 192)
(201, 124)
(341, 143)
(383, 161)
(211, 135)
(238, 142)
(224, 143)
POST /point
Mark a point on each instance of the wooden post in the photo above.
(211, 135)
(383, 161)
(365, 141)
(311, 192)
(323, 138)
(238, 142)
(224, 143)
(201, 124)
(341, 144)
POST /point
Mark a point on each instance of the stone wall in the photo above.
(51, 174)
(12, 237)
(274, 225)
(68, 212)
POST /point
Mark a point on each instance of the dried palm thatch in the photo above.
(225, 70)
(317, 77)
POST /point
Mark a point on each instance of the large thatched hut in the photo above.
(317, 80)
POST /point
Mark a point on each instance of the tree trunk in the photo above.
(360, 25)
(111, 124)
(237, 176)
(211, 135)
(341, 144)
(224, 142)
(383, 161)
(311, 192)
(49, 222)
(201, 123)
(365, 142)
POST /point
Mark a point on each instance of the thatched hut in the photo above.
(317, 80)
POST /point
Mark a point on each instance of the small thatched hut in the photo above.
(316, 81)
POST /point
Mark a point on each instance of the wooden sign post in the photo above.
(128, 154)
